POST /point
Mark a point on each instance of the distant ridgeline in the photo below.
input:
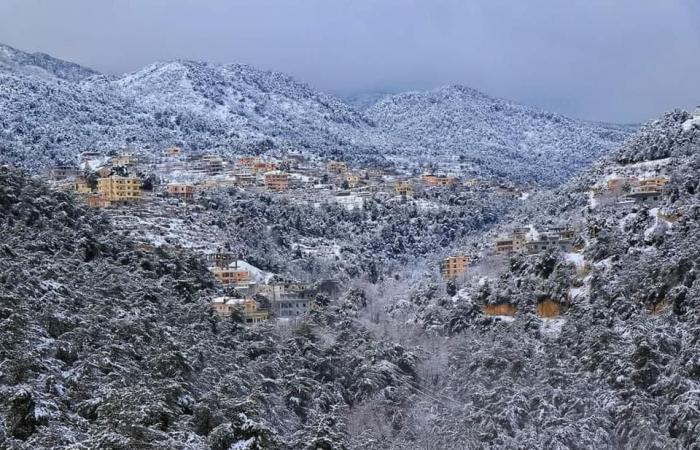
(54, 110)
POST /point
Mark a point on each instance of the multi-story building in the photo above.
(181, 191)
(220, 259)
(288, 300)
(96, 201)
(510, 244)
(654, 181)
(649, 193)
(248, 161)
(337, 167)
(454, 266)
(125, 159)
(263, 167)
(293, 305)
(116, 189)
(61, 173)
(618, 185)
(549, 241)
(251, 310)
(230, 276)
(403, 188)
(277, 180)
(437, 180)
(244, 178)
(81, 186)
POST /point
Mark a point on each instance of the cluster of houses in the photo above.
(257, 302)
(620, 189)
(100, 186)
(529, 240)
(108, 181)
(526, 240)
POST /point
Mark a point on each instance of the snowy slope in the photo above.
(42, 65)
(494, 135)
(54, 110)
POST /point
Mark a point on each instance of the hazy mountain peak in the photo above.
(42, 64)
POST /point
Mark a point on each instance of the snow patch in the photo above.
(575, 258)
(552, 326)
(256, 274)
(691, 123)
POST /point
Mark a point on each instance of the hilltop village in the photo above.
(431, 302)
(141, 193)
(132, 188)
(136, 190)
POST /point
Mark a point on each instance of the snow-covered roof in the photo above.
(228, 300)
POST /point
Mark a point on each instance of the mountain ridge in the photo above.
(234, 109)
(69, 71)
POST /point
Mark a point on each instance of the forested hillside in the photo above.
(619, 368)
(105, 345)
(54, 110)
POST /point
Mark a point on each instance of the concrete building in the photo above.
(437, 180)
(96, 201)
(61, 173)
(654, 181)
(549, 241)
(248, 161)
(288, 300)
(619, 185)
(250, 309)
(454, 266)
(263, 167)
(277, 180)
(116, 189)
(180, 191)
(649, 194)
(81, 186)
(403, 189)
(244, 178)
(230, 276)
(510, 244)
(337, 167)
(125, 159)
(103, 172)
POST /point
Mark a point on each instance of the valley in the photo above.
(202, 256)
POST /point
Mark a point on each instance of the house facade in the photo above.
(181, 191)
(116, 189)
(454, 266)
(277, 180)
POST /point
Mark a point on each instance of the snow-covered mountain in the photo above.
(53, 110)
(493, 135)
(41, 64)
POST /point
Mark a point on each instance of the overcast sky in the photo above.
(611, 60)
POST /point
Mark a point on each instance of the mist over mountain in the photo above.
(54, 110)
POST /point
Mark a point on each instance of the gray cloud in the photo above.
(622, 61)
